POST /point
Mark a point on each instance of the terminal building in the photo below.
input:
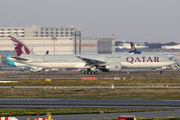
(57, 40)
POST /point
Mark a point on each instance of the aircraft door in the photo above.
(39, 59)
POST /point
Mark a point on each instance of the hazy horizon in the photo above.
(129, 20)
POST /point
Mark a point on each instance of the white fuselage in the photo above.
(72, 61)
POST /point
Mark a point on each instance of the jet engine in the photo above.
(112, 67)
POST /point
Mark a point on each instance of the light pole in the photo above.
(77, 33)
(55, 39)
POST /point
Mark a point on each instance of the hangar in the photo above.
(58, 40)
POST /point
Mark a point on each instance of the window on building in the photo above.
(41, 32)
(66, 29)
(22, 29)
(46, 35)
(61, 32)
(41, 35)
(56, 35)
(66, 35)
(66, 32)
(56, 32)
(51, 32)
(71, 29)
(61, 35)
(61, 29)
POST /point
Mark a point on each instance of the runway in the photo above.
(93, 103)
(96, 103)
(107, 115)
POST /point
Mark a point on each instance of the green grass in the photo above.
(96, 93)
(64, 111)
(167, 118)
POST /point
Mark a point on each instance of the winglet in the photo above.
(20, 47)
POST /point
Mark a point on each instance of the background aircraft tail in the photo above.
(47, 52)
(133, 48)
(11, 63)
(20, 47)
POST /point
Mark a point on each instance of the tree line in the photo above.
(159, 45)
(152, 45)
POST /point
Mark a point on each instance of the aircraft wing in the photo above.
(93, 62)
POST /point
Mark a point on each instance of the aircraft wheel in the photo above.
(96, 72)
(161, 72)
(85, 72)
(93, 72)
(89, 72)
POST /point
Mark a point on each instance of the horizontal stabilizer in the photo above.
(19, 59)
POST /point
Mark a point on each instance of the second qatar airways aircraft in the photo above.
(90, 62)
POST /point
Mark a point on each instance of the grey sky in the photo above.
(129, 20)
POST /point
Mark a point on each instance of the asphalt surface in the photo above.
(107, 115)
(93, 103)
(99, 103)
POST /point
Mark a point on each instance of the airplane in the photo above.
(90, 62)
(133, 48)
(134, 51)
(22, 66)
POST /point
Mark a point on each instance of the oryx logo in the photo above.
(19, 47)
(116, 67)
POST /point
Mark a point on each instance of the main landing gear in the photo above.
(90, 72)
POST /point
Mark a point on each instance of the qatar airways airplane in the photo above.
(90, 62)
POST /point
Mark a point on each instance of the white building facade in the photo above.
(58, 40)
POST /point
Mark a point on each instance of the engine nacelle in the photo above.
(112, 67)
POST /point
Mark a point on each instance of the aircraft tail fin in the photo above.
(20, 47)
(11, 63)
(47, 52)
(133, 48)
